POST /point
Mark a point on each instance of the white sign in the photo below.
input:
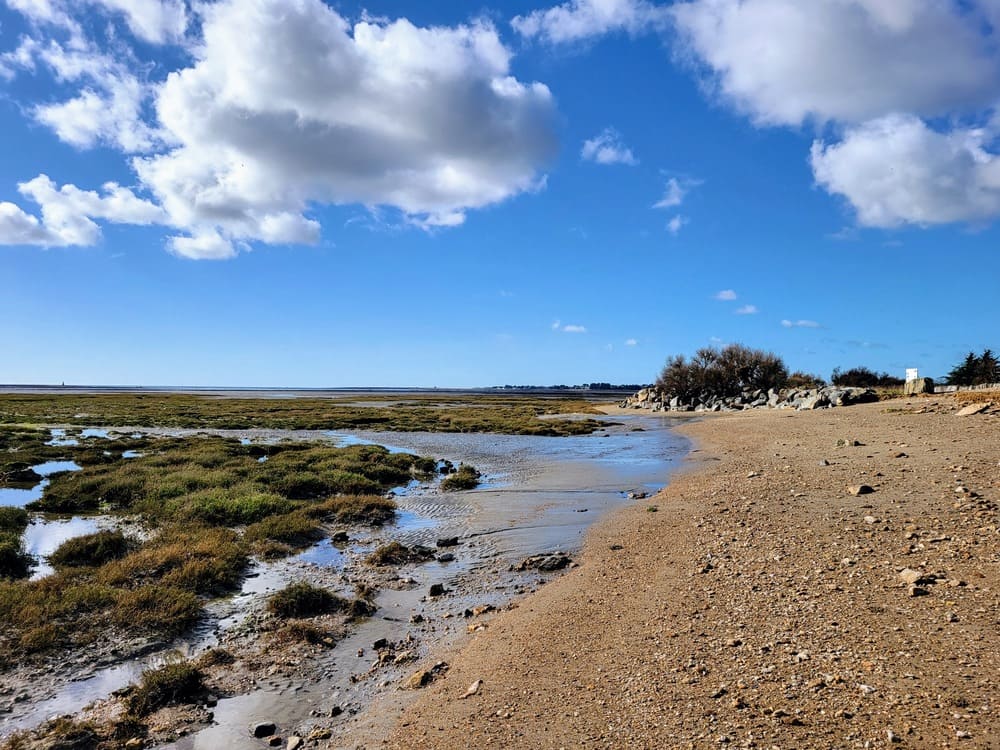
(912, 373)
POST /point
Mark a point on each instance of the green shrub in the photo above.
(302, 599)
(466, 478)
(91, 550)
(232, 507)
(169, 685)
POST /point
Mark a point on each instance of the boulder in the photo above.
(918, 386)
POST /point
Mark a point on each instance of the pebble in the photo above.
(860, 489)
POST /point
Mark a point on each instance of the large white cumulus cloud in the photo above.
(874, 73)
(896, 170)
(785, 61)
(287, 105)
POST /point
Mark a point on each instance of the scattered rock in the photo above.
(973, 409)
(263, 729)
(445, 557)
(294, 743)
(437, 589)
(447, 541)
(860, 489)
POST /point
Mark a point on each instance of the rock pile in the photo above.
(802, 399)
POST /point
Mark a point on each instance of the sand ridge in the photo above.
(761, 604)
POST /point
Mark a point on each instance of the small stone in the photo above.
(134, 743)
(473, 689)
(445, 557)
(891, 736)
(915, 591)
(263, 729)
(419, 679)
(752, 474)
(870, 520)
(294, 743)
(416, 619)
(447, 541)
(847, 443)
(860, 489)
(734, 642)
(275, 741)
(719, 692)
(824, 462)
(437, 589)
(380, 644)
(319, 734)
(962, 735)
(951, 617)
(336, 711)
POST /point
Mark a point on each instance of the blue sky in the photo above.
(390, 194)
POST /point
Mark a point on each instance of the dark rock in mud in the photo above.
(544, 563)
(437, 589)
(263, 729)
(448, 541)
(445, 557)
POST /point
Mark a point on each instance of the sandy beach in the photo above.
(758, 602)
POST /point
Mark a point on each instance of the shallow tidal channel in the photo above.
(539, 495)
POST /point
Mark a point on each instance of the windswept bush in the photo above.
(862, 377)
(722, 373)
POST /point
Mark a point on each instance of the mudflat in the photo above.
(762, 600)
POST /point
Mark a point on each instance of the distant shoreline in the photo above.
(286, 392)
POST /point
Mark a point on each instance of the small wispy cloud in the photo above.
(673, 194)
(726, 295)
(608, 148)
(506, 294)
(747, 310)
(800, 324)
(568, 328)
(676, 224)
(631, 342)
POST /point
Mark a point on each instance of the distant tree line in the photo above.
(974, 370)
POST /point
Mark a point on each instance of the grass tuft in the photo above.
(302, 599)
(169, 685)
(466, 478)
(91, 550)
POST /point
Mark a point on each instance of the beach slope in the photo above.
(762, 600)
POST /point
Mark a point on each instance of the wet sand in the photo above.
(763, 604)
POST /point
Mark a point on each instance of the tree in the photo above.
(965, 372)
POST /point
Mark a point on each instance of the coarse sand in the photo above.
(757, 603)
